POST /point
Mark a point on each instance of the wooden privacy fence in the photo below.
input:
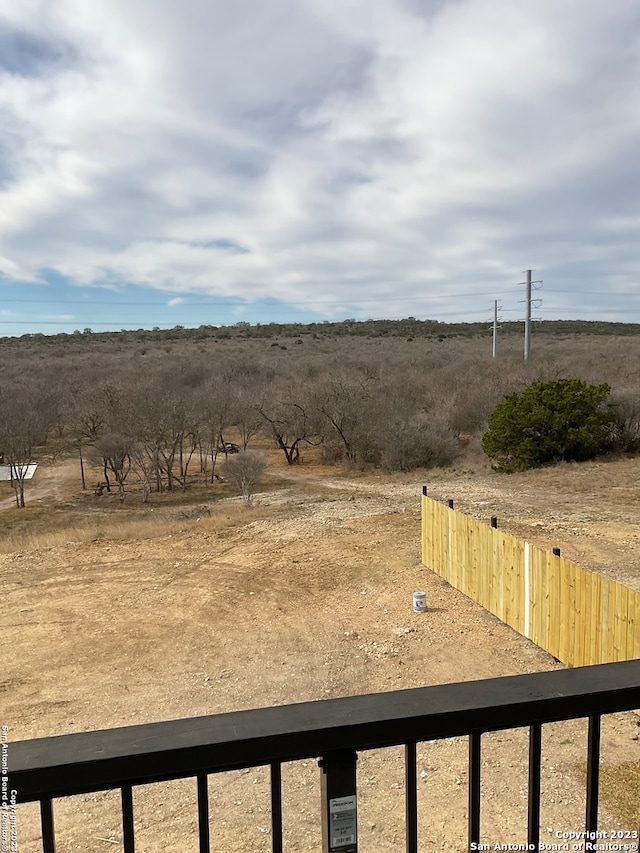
(578, 616)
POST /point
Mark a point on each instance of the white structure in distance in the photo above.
(17, 472)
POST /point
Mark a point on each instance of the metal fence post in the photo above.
(339, 807)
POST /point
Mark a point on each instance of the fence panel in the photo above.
(578, 616)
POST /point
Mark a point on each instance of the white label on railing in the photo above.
(527, 592)
(342, 818)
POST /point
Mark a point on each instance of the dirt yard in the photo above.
(306, 596)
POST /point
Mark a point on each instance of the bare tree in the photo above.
(291, 417)
(408, 434)
(85, 419)
(114, 450)
(245, 382)
(343, 399)
(157, 412)
(23, 425)
(215, 409)
(245, 470)
(144, 466)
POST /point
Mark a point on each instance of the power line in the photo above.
(597, 292)
(185, 305)
(580, 309)
(173, 324)
(236, 300)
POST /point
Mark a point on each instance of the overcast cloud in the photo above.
(344, 151)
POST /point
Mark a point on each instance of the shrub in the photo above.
(421, 441)
(245, 470)
(562, 419)
(626, 405)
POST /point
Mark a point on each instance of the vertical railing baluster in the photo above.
(411, 796)
(276, 807)
(126, 793)
(593, 773)
(46, 822)
(474, 788)
(203, 813)
(338, 798)
(535, 763)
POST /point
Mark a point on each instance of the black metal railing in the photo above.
(335, 731)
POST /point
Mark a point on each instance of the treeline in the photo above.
(408, 328)
(160, 414)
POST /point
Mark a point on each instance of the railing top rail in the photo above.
(152, 752)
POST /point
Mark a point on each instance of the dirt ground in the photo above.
(308, 595)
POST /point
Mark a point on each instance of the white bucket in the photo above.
(419, 602)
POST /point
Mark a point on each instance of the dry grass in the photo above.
(619, 790)
(104, 527)
(83, 518)
(117, 528)
(620, 787)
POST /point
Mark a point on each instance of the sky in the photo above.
(198, 162)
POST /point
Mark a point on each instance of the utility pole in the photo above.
(495, 328)
(529, 302)
(527, 319)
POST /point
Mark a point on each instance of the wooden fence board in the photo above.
(459, 549)
(485, 566)
(519, 591)
(633, 618)
(570, 642)
(552, 615)
(606, 621)
(580, 581)
(507, 578)
(539, 598)
(547, 569)
(496, 579)
(555, 623)
(588, 618)
(596, 626)
(514, 591)
(462, 550)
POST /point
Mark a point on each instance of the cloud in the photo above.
(176, 301)
(350, 151)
